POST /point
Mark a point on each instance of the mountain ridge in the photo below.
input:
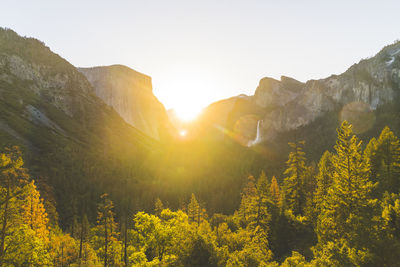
(287, 104)
(50, 110)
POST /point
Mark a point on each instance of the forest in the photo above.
(343, 211)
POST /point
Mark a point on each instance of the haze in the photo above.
(200, 52)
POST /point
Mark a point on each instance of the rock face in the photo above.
(46, 92)
(130, 94)
(289, 104)
(50, 110)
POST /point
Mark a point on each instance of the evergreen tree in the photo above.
(107, 227)
(346, 218)
(387, 245)
(384, 155)
(254, 211)
(158, 206)
(262, 200)
(248, 204)
(194, 210)
(275, 192)
(24, 221)
(33, 212)
(324, 181)
(13, 178)
(83, 234)
(295, 181)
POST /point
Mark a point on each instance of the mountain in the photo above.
(71, 140)
(130, 94)
(288, 104)
(77, 146)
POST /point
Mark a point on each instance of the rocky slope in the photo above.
(69, 137)
(288, 104)
(130, 94)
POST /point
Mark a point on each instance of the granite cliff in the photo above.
(289, 104)
(70, 139)
(130, 94)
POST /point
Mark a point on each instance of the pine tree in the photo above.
(33, 212)
(263, 197)
(254, 211)
(248, 203)
(83, 234)
(258, 211)
(158, 206)
(12, 178)
(105, 220)
(384, 155)
(194, 210)
(346, 218)
(294, 183)
(24, 231)
(324, 181)
(388, 241)
(275, 192)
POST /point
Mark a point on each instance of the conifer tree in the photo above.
(12, 178)
(194, 210)
(262, 200)
(254, 211)
(34, 214)
(158, 207)
(275, 192)
(384, 155)
(324, 181)
(248, 204)
(105, 220)
(388, 241)
(346, 218)
(84, 231)
(294, 183)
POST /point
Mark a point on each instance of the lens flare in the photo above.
(183, 133)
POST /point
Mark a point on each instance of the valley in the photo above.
(246, 183)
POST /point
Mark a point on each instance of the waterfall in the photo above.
(258, 136)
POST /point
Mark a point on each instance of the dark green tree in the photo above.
(324, 181)
(384, 157)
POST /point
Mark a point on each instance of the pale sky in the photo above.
(201, 51)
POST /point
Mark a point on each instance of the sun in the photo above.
(187, 112)
(187, 90)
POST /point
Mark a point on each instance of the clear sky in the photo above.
(201, 51)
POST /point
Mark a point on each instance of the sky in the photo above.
(198, 52)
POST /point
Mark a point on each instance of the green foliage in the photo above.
(104, 235)
(348, 223)
(324, 182)
(296, 260)
(346, 220)
(26, 238)
(384, 156)
(275, 192)
(295, 181)
(194, 210)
